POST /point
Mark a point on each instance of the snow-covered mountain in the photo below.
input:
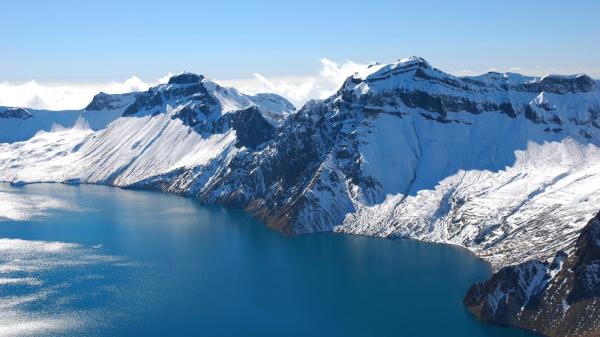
(503, 164)
(187, 123)
(19, 124)
(489, 162)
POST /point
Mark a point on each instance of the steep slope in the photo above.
(185, 125)
(557, 299)
(105, 108)
(43, 158)
(491, 162)
(503, 164)
(179, 126)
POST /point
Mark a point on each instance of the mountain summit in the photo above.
(185, 78)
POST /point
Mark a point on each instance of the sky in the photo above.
(57, 54)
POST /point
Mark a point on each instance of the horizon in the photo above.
(324, 83)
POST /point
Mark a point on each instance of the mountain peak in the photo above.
(413, 60)
(378, 70)
(104, 101)
(185, 78)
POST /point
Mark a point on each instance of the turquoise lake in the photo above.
(102, 261)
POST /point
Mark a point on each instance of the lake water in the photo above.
(101, 261)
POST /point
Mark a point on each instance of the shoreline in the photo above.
(490, 269)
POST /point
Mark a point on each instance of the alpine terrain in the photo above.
(503, 164)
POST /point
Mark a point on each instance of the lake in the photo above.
(102, 261)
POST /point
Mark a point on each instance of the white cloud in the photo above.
(299, 89)
(337, 74)
(65, 96)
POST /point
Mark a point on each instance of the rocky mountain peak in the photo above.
(180, 90)
(185, 78)
(104, 101)
(413, 60)
(379, 71)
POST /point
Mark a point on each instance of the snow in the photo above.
(273, 107)
(510, 188)
(130, 149)
(18, 129)
(127, 151)
(45, 157)
(548, 186)
(565, 305)
(532, 280)
(504, 187)
(152, 145)
(389, 159)
(380, 70)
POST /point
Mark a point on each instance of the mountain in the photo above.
(19, 124)
(557, 299)
(188, 122)
(505, 165)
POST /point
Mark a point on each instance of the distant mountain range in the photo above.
(505, 165)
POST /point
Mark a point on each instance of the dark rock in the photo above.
(561, 84)
(507, 109)
(15, 113)
(533, 116)
(144, 101)
(250, 127)
(193, 91)
(186, 78)
(191, 115)
(561, 298)
(104, 101)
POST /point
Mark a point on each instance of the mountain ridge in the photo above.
(505, 165)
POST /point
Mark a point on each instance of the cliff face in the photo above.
(503, 164)
(561, 298)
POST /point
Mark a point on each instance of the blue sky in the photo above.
(107, 41)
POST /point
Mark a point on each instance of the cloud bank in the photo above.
(297, 89)
(65, 96)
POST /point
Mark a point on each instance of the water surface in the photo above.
(101, 261)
